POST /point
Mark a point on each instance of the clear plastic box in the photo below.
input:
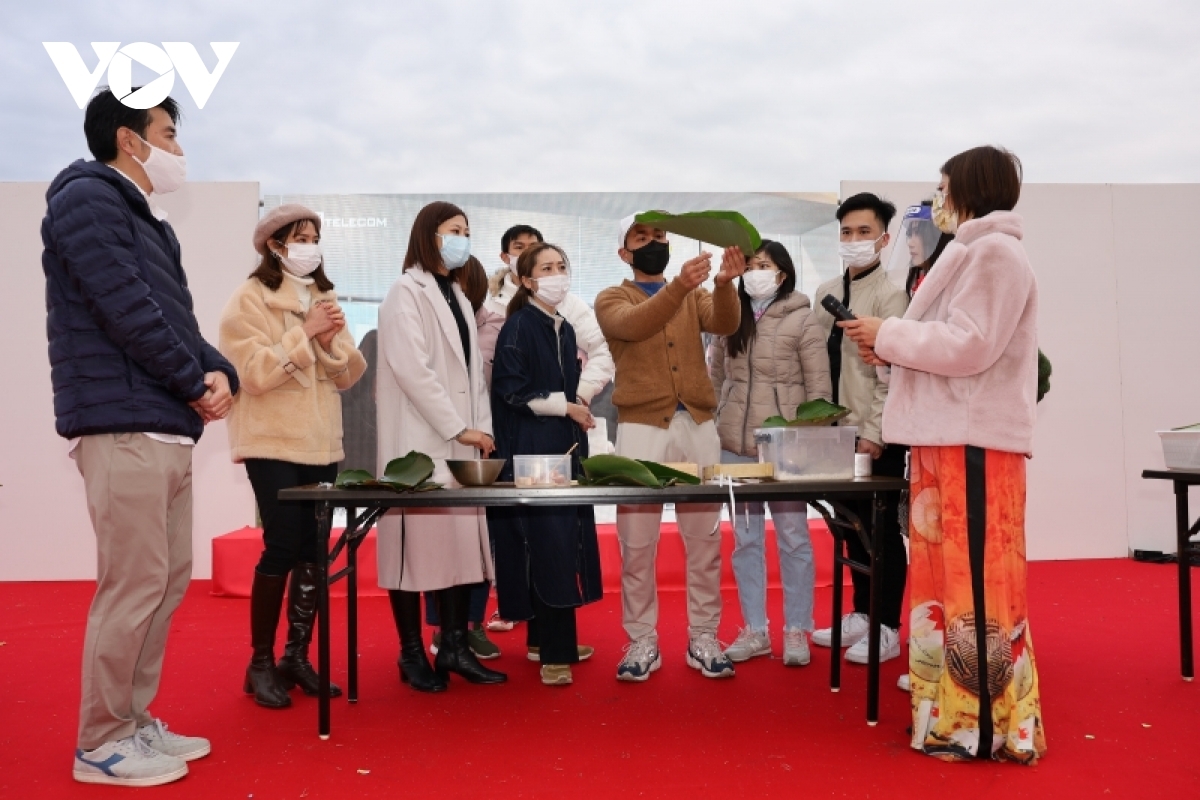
(541, 471)
(1181, 449)
(807, 453)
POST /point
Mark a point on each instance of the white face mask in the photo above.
(761, 283)
(301, 259)
(166, 171)
(455, 250)
(553, 289)
(857, 255)
(512, 263)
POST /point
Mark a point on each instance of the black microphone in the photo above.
(837, 308)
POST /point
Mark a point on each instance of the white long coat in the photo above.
(426, 396)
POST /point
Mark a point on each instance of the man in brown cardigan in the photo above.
(665, 405)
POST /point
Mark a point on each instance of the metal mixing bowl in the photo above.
(476, 471)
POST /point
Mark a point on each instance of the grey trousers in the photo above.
(139, 496)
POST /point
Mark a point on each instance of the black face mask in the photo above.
(652, 258)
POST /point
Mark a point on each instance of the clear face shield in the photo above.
(914, 243)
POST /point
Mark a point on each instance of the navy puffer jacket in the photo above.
(126, 354)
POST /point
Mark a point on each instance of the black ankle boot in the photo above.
(262, 679)
(294, 667)
(454, 655)
(414, 666)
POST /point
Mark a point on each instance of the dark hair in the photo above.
(269, 271)
(525, 264)
(473, 280)
(423, 250)
(739, 342)
(865, 201)
(917, 270)
(983, 180)
(106, 114)
(518, 230)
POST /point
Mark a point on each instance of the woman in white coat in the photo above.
(432, 398)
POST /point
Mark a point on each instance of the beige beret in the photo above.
(277, 218)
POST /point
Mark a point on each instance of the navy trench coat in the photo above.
(550, 550)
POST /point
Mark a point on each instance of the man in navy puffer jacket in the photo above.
(134, 384)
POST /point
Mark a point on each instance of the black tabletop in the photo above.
(1183, 476)
(508, 495)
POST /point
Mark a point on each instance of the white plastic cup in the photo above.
(862, 465)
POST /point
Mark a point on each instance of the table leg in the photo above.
(875, 612)
(835, 644)
(1182, 535)
(352, 615)
(324, 524)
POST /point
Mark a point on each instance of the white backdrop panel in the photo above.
(44, 529)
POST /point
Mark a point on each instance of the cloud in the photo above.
(638, 96)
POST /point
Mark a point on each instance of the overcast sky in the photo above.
(691, 95)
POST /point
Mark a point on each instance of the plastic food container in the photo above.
(807, 453)
(1181, 449)
(541, 471)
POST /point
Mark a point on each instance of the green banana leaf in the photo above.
(408, 471)
(609, 470)
(669, 477)
(722, 228)
(352, 478)
(407, 474)
(813, 413)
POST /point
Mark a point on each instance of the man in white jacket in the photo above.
(598, 365)
(866, 289)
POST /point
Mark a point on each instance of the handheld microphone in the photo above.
(837, 308)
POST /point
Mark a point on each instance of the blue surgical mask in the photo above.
(455, 250)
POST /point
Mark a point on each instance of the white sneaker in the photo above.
(889, 647)
(903, 683)
(795, 648)
(127, 762)
(749, 644)
(855, 626)
(189, 748)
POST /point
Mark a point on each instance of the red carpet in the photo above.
(1120, 721)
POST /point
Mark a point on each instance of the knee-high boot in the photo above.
(454, 655)
(414, 666)
(262, 679)
(295, 667)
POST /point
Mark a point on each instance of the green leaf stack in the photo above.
(409, 473)
(620, 471)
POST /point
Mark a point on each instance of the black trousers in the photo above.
(289, 529)
(553, 630)
(895, 560)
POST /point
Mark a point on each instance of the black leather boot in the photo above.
(454, 655)
(294, 667)
(414, 666)
(262, 679)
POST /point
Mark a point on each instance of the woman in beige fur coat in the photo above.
(287, 337)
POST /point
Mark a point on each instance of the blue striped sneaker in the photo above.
(704, 653)
(170, 743)
(641, 658)
(127, 762)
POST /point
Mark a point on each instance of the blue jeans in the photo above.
(796, 567)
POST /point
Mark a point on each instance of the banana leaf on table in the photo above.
(408, 473)
(813, 413)
(721, 228)
(607, 470)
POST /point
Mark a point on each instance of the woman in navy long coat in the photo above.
(547, 559)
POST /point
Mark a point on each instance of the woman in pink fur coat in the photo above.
(963, 395)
